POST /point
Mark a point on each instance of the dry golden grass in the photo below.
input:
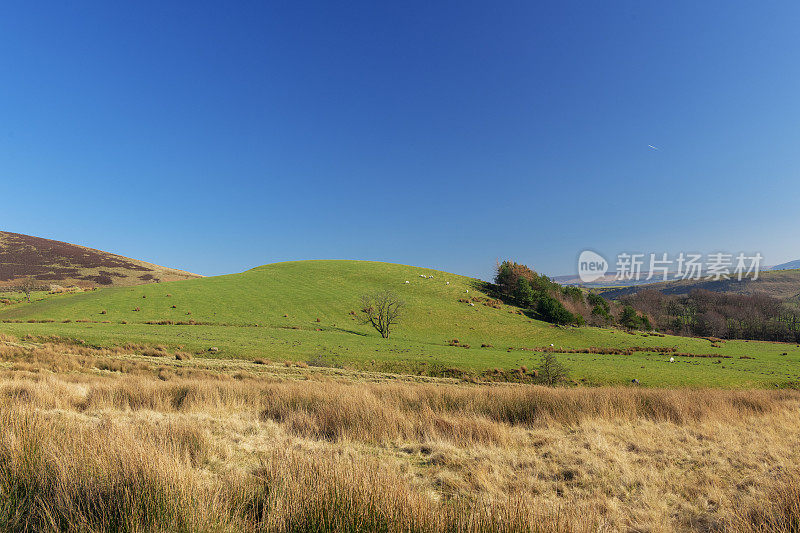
(99, 440)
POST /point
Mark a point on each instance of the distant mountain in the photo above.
(609, 281)
(59, 263)
(791, 265)
(782, 284)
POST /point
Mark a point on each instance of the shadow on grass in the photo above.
(345, 330)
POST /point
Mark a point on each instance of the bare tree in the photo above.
(382, 310)
(552, 371)
(27, 286)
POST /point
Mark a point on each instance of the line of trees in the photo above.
(701, 313)
(544, 299)
(706, 313)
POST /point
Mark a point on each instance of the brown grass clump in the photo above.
(144, 477)
(155, 351)
(454, 342)
(778, 512)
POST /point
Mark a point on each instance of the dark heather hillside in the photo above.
(55, 263)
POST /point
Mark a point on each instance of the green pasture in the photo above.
(301, 311)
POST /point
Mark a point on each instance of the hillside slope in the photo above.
(791, 265)
(782, 284)
(51, 262)
(307, 311)
(303, 290)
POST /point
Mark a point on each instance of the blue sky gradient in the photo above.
(216, 137)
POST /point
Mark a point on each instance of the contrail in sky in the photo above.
(653, 147)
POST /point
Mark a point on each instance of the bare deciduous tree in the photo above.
(382, 310)
(27, 286)
(552, 371)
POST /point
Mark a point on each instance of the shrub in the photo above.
(631, 320)
(551, 310)
(574, 293)
(524, 294)
(601, 312)
(595, 300)
(510, 273)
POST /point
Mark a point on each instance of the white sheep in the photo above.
(472, 304)
(551, 345)
(671, 359)
(407, 282)
(447, 283)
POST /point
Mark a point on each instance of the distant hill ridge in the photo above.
(791, 265)
(51, 262)
(778, 283)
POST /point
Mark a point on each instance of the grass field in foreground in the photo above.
(300, 311)
(104, 440)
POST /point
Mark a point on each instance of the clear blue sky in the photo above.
(220, 136)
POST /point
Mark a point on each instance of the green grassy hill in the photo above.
(301, 311)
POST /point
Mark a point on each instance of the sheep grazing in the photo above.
(447, 283)
(423, 276)
(671, 359)
(407, 282)
(471, 304)
(635, 381)
(551, 345)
